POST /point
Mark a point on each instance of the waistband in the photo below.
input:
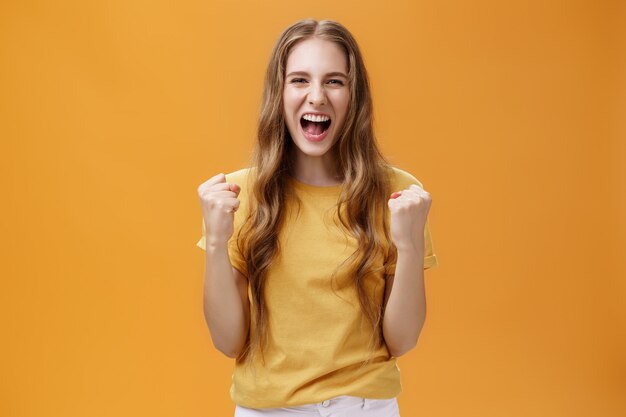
(341, 401)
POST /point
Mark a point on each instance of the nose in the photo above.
(317, 95)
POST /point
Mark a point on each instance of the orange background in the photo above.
(510, 113)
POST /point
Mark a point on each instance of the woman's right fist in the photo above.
(219, 202)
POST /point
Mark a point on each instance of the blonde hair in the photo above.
(362, 206)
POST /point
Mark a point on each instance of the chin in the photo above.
(313, 149)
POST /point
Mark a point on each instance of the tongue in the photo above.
(313, 128)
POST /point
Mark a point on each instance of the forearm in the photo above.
(405, 312)
(223, 308)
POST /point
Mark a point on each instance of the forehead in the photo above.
(317, 55)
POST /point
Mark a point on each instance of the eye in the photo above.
(336, 82)
(297, 80)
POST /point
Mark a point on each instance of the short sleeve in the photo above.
(430, 258)
(401, 180)
(202, 242)
(234, 254)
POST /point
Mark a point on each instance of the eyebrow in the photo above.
(330, 74)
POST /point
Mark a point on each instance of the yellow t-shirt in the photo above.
(318, 341)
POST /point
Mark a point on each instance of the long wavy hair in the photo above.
(362, 210)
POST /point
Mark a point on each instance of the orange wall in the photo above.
(510, 113)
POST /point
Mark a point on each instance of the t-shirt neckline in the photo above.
(317, 189)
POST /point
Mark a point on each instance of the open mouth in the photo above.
(313, 125)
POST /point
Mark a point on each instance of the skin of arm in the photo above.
(405, 302)
(226, 303)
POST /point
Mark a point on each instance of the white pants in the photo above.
(342, 406)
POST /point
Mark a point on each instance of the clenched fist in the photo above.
(409, 210)
(219, 202)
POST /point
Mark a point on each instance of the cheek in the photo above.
(290, 99)
(341, 104)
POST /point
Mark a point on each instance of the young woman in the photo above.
(315, 254)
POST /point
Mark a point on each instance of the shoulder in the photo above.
(241, 177)
(401, 179)
(244, 179)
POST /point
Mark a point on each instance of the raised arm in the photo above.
(226, 305)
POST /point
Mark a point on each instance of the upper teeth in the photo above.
(315, 118)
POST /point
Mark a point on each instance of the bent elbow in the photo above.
(396, 353)
(229, 353)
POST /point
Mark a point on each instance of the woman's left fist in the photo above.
(409, 210)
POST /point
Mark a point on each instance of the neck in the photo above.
(316, 170)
